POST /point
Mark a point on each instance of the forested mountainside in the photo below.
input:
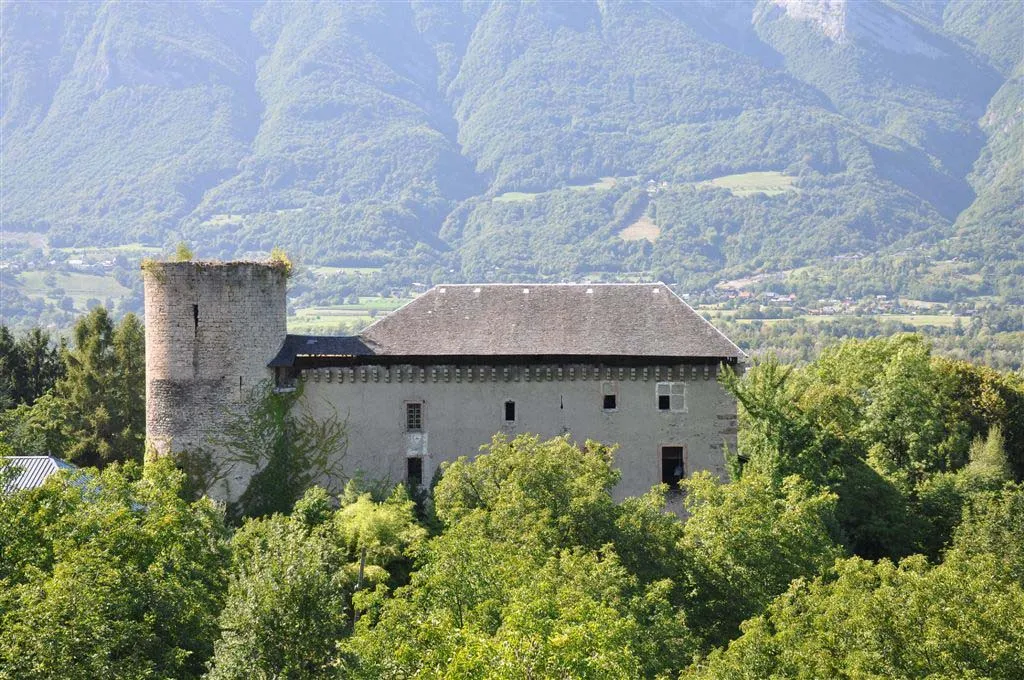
(499, 140)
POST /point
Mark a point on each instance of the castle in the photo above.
(631, 364)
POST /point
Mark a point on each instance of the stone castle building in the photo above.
(619, 363)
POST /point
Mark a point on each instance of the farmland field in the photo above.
(748, 183)
(515, 197)
(79, 287)
(342, 319)
(127, 249)
(602, 184)
(642, 229)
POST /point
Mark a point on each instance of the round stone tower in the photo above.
(211, 330)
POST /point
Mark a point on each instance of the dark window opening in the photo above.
(414, 416)
(609, 402)
(510, 411)
(195, 320)
(286, 376)
(414, 471)
(672, 470)
(664, 402)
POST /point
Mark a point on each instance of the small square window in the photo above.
(609, 402)
(414, 471)
(671, 396)
(510, 411)
(414, 416)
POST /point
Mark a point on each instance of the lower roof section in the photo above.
(334, 350)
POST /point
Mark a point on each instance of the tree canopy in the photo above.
(868, 530)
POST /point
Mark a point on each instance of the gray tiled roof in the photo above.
(636, 320)
(32, 471)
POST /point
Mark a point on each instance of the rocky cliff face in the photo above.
(870, 23)
(827, 16)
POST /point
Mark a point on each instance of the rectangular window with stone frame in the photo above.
(673, 466)
(414, 471)
(671, 396)
(414, 416)
(610, 396)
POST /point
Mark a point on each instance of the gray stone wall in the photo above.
(464, 406)
(211, 329)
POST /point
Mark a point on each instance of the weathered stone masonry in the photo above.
(210, 328)
(627, 364)
(463, 406)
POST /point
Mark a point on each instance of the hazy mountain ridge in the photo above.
(354, 132)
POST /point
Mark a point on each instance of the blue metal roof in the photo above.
(32, 471)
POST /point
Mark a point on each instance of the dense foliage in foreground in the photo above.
(871, 528)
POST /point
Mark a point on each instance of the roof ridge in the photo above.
(567, 283)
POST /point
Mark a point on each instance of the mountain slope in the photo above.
(992, 228)
(477, 135)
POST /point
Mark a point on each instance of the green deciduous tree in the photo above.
(884, 425)
(993, 524)
(578, 615)
(957, 620)
(485, 608)
(378, 533)
(290, 597)
(746, 541)
(561, 492)
(288, 600)
(526, 577)
(109, 576)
